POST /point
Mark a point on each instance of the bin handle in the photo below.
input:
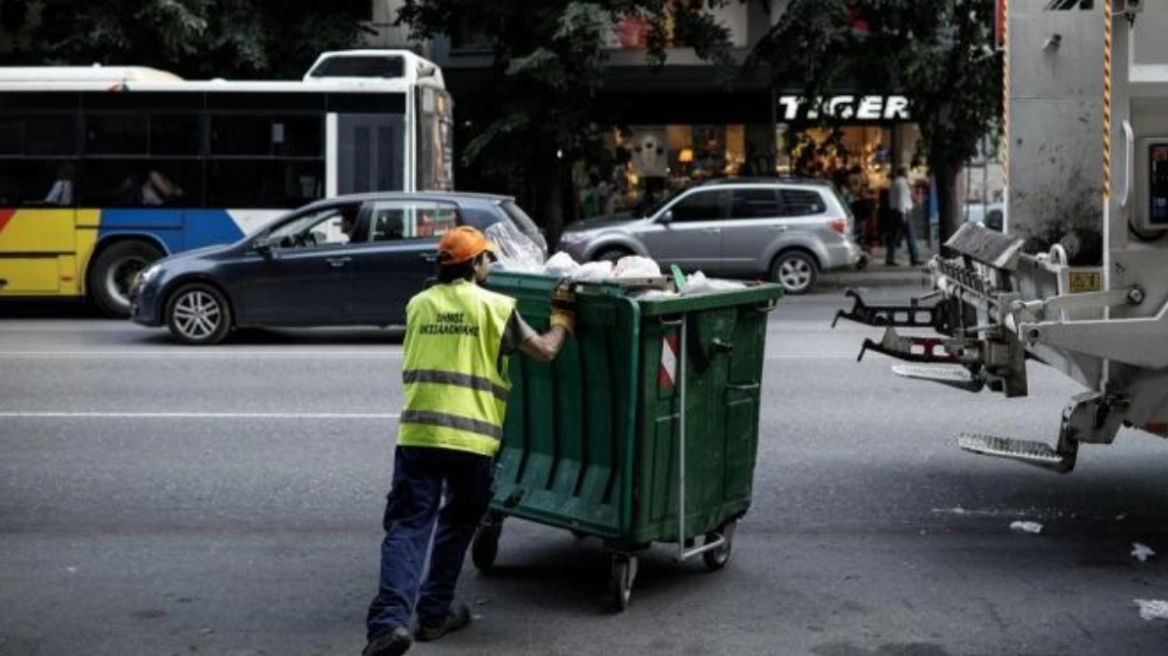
(768, 308)
(743, 387)
(721, 345)
(674, 322)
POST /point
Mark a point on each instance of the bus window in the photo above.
(241, 135)
(38, 135)
(116, 134)
(140, 183)
(175, 134)
(11, 136)
(33, 183)
(300, 136)
(264, 183)
(50, 135)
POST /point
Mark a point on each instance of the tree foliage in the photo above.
(194, 38)
(540, 106)
(938, 53)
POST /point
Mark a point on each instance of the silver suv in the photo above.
(785, 229)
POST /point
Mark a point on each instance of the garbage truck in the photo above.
(1077, 279)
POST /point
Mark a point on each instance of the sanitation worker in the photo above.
(454, 372)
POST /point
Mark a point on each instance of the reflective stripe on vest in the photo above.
(454, 393)
(452, 421)
(460, 380)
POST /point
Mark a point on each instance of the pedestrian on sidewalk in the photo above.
(454, 370)
(902, 204)
(889, 226)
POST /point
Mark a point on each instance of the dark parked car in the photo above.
(346, 261)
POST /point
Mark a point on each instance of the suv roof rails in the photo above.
(764, 180)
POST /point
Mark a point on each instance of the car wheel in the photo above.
(611, 254)
(796, 271)
(113, 272)
(198, 314)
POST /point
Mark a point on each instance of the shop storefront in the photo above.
(874, 135)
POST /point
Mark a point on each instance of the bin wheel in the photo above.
(579, 535)
(624, 571)
(716, 558)
(485, 546)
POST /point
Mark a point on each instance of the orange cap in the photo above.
(461, 244)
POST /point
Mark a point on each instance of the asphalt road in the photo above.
(157, 500)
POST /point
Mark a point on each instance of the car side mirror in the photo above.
(263, 246)
(665, 217)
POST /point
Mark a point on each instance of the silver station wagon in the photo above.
(784, 229)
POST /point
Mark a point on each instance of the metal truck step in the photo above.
(1027, 451)
(958, 377)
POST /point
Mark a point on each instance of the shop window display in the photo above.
(652, 161)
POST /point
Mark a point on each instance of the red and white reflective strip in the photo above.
(667, 372)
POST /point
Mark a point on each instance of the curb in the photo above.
(878, 278)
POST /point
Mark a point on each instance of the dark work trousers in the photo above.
(910, 237)
(419, 476)
(890, 231)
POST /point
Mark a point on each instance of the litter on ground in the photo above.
(1026, 527)
(1142, 551)
(1153, 609)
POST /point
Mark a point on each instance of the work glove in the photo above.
(563, 311)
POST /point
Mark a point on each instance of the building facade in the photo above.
(685, 125)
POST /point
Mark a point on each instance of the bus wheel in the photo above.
(198, 313)
(113, 272)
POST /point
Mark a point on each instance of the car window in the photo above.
(331, 226)
(801, 202)
(754, 204)
(409, 219)
(520, 218)
(699, 206)
(479, 217)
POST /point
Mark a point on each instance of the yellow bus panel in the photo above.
(30, 275)
(38, 231)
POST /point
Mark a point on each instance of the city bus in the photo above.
(105, 169)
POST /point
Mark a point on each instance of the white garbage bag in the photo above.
(636, 266)
(698, 283)
(560, 264)
(593, 271)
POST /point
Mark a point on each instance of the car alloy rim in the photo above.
(794, 273)
(197, 314)
(120, 278)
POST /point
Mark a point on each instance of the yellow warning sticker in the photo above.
(1086, 281)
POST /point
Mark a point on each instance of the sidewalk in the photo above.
(879, 274)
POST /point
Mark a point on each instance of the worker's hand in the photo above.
(563, 311)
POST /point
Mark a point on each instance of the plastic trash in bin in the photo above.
(515, 250)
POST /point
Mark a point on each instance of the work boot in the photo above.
(391, 643)
(457, 618)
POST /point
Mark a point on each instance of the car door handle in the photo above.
(338, 262)
(711, 231)
(429, 257)
(780, 228)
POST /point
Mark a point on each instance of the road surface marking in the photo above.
(199, 415)
(324, 355)
(200, 354)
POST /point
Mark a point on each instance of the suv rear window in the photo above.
(754, 204)
(799, 202)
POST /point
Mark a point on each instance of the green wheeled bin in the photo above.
(645, 427)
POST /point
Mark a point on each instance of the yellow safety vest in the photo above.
(454, 377)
